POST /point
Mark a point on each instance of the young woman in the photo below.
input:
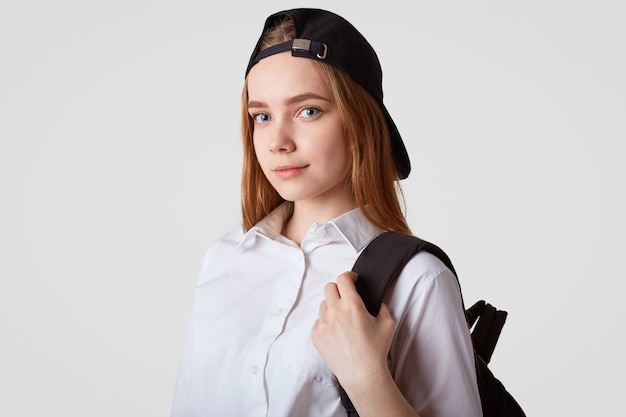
(277, 321)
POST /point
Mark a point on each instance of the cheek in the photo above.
(337, 160)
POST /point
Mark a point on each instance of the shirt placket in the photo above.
(286, 288)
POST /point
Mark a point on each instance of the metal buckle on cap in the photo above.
(301, 45)
(305, 45)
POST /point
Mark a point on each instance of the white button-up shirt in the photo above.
(249, 350)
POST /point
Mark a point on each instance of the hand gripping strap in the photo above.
(381, 262)
(377, 266)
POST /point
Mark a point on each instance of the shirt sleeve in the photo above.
(183, 398)
(432, 357)
(183, 384)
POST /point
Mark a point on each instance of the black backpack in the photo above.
(381, 262)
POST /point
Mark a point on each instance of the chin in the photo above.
(294, 196)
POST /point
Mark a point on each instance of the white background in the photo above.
(120, 164)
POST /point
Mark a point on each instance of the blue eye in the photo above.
(310, 112)
(261, 118)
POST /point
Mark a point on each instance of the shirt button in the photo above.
(321, 231)
(278, 312)
(254, 370)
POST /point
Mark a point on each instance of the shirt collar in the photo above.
(352, 225)
(270, 226)
(355, 228)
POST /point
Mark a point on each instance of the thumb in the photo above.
(351, 275)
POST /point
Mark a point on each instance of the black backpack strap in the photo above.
(347, 403)
(378, 265)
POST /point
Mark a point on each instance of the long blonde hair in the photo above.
(373, 178)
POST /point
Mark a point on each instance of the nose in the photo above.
(281, 139)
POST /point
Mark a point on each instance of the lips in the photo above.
(286, 172)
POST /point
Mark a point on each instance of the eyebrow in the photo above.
(291, 100)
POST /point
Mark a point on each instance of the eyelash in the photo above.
(256, 116)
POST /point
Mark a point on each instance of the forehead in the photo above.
(281, 76)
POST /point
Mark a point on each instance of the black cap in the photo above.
(328, 37)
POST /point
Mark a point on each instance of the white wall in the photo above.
(119, 164)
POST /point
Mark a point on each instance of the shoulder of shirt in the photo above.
(425, 267)
(229, 239)
(423, 274)
(232, 236)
